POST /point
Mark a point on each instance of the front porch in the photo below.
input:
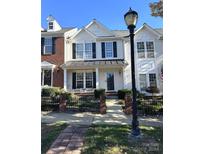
(85, 76)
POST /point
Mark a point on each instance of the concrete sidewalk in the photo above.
(114, 115)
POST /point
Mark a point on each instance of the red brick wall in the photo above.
(57, 59)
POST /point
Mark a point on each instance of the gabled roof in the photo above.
(94, 21)
(150, 29)
(81, 30)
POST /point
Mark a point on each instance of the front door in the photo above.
(110, 81)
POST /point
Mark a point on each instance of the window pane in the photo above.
(48, 41)
(140, 50)
(88, 50)
(47, 77)
(79, 76)
(143, 82)
(48, 49)
(79, 80)
(48, 46)
(150, 49)
(108, 50)
(79, 51)
(50, 25)
(152, 80)
(89, 80)
(79, 84)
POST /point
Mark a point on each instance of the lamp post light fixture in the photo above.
(131, 18)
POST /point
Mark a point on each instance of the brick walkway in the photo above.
(70, 141)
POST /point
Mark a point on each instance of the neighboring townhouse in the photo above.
(148, 59)
(97, 57)
(52, 52)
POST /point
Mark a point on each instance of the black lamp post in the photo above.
(131, 18)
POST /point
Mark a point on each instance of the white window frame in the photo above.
(89, 79)
(145, 49)
(109, 50)
(155, 79)
(79, 51)
(141, 49)
(44, 47)
(84, 51)
(91, 51)
(51, 22)
(79, 80)
(150, 49)
(143, 82)
(84, 79)
(43, 84)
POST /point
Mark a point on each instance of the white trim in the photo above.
(100, 25)
(150, 29)
(97, 77)
(51, 69)
(79, 31)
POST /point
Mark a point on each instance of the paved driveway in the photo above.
(114, 116)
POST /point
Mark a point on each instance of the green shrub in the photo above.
(98, 92)
(50, 91)
(152, 90)
(121, 93)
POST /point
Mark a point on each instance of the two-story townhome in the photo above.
(52, 52)
(148, 59)
(94, 58)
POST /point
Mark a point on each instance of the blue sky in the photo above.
(78, 13)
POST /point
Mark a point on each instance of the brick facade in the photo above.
(57, 59)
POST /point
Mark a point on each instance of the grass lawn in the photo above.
(49, 132)
(113, 139)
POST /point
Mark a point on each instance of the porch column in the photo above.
(97, 77)
(65, 79)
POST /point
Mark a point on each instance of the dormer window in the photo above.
(50, 25)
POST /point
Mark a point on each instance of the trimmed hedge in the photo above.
(121, 93)
(50, 91)
(98, 92)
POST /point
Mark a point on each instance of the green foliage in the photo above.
(121, 93)
(152, 90)
(50, 91)
(99, 92)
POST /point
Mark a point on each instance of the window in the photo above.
(79, 80)
(152, 80)
(150, 49)
(88, 50)
(143, 82)
(50, 25)
(89, 79)
(47, 77)
(141, 49)
(79, 50)
(108, 50)
(48, 46)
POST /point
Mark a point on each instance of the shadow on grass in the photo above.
(49, 132)
(104, 139)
